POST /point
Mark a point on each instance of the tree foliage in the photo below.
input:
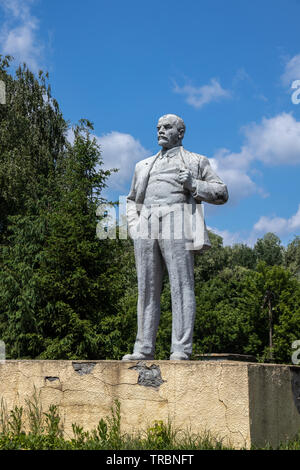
(54, 297)
(269, 249)
(292, 257)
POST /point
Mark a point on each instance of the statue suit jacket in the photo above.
(209, 188)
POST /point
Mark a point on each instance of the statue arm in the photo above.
(209, 187)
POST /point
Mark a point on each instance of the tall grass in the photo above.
(45, 431)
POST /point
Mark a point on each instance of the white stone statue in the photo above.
(165, 219)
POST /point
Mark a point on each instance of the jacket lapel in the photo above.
(189, 162)
(143, 179)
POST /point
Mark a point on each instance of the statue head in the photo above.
(170, 131)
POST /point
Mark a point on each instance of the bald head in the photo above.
(170, 131)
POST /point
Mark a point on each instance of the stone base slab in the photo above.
(242, 403)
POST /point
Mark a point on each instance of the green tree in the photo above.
(32, 142)
(269, 249)
(227, 317)
(54, 295)
(241, 255)
(212, 261)
(292, 257)
(282, 292)
(59, 284)
(233, 312)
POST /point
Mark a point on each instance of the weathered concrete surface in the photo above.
(242, 403)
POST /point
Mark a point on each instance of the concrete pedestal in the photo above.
(241, 403)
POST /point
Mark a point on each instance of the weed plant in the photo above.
(45, 432)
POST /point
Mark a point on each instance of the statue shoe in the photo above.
(137, 357)
(179, 356)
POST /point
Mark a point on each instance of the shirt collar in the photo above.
(171, 153)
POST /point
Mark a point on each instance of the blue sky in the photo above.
(226, 67)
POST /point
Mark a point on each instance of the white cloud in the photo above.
(292, 71)
(232, 169)
(229, 238)
(232, 238)
(199, 96)
(18, 33)
(118, 150)
(121, 151)
(279, 225)
(275, 141)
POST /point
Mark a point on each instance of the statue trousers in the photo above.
(152, 256)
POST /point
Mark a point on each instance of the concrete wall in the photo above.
(274, 403)
(241, 403)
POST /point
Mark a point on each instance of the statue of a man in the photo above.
(165, 219)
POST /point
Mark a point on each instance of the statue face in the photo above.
(168, 135)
